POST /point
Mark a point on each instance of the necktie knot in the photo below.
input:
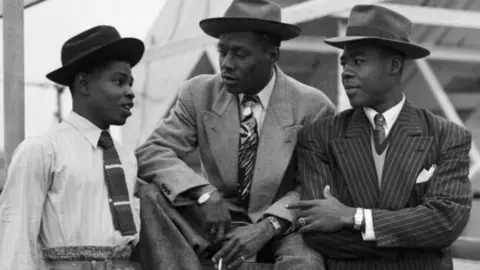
(379, 120)
(250, 100)
(105, 140)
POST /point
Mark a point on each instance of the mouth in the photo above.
(127, 106)
(228, 79)
(351, 89)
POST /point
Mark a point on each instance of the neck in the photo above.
(261, 85)
(89, 115)
(389, 102)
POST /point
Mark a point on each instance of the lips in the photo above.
(228, 79)
(127, 106)
(351, 88)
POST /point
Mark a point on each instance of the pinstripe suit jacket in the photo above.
(414, 223)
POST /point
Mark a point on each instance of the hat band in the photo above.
(372, 32)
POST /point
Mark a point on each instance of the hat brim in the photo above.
(126, 49)
(409, 50)
(215, 27)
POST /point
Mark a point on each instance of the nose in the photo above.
(346, 73)
(226, 62)
(129, 92)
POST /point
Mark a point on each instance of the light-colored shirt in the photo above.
(390, 116)
(55, 195)
(259, 110)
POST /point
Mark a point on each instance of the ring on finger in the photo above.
(213, 230)
(302, 222)
(243, 258)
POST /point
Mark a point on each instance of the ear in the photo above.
(274, 54)
(81, 83)
(396, 65)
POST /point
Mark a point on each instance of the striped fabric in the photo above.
(247, 151)
(414, 223)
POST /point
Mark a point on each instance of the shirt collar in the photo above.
(89, 130)
(266, 92)
(390, 115)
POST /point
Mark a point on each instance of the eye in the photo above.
(359, 61)
(119, 82)
(241, 53)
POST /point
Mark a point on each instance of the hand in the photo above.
(216, 216)
(243, 243)
(324, 215)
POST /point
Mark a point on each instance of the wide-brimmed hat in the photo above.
(381, 26)
(95, 45)
(251, 16)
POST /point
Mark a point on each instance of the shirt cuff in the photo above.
(369, 234)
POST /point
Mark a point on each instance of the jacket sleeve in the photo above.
(445, 209)
(161, 157)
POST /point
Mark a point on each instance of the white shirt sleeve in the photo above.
(369, 234)
(21, 205)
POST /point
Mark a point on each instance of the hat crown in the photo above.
(88, 41)
(254, 9)
(377, 21)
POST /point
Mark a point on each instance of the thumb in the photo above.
(326, 192)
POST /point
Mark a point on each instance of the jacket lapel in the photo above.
(354, 153)
(404, 159)
(277, 140)
(222, 127)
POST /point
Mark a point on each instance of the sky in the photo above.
(46, 27)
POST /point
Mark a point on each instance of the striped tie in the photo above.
(247, 152)
(379, 133)
(117, 187)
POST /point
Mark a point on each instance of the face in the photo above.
(110, 96)
(245, 64)
(367, 75)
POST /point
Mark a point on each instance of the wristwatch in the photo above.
(205, 196)
(274, 221)
(358, 219)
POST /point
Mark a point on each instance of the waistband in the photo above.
(93, 265)
(87, 253)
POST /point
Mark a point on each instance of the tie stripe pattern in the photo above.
(247, 152)
(379, 133)
(117, 187)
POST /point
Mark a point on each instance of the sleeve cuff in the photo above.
(369, 234)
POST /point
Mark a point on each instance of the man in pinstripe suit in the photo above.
(385, 184)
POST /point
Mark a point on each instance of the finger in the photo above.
(220, 233)
(224, 250)
(308, 228)
(213, 229)
(326, 192)
(236, 263)
(300, 204)
(233, 253)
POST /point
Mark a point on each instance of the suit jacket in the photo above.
(207, 116)
(414, 223)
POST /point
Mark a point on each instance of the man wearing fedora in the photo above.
(68, 200)
(386, 183)
(244, 122)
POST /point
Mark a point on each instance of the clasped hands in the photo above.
(238, 244)
(323, 215)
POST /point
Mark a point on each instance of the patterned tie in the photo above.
(117, 187)
(379, 133)
(247, 151)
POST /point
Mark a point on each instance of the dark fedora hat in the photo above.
(97, 44)
(381, 26)
(251, 16)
